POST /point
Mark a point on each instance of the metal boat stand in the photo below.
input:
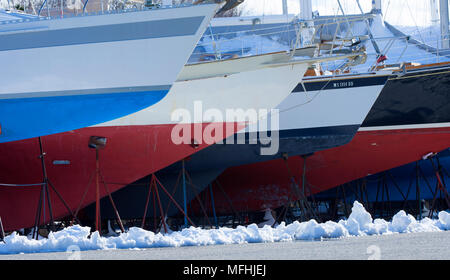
(359, 189)
(213, 206)
(416, 176)
(386, 182)
(340, 190)
(440, 184)
(306, 209)
(307, 189)
(186, 181)
(193, 188)
(153, 187)
(383, 180)
(45, 195)
(237, 218)
(98, 143)
(383, 186)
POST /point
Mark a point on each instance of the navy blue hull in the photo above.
(406, 178)
(292, 142)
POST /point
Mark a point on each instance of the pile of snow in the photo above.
(359, 223)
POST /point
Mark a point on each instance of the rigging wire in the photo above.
(414, 20)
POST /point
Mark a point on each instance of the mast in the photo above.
(443, 10)
(305, 10)
(374, 43)
(306, 15)
(285, 7)
(376, 6)
(434, 12)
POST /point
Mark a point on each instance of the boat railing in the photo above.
(252, 41)
(51, 11)
(259, 39)
(248, 42)
(397, 54)
(395, 47)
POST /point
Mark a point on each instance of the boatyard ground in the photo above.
(411, 246)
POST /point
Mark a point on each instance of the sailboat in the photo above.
(142, 143)
(60, 74)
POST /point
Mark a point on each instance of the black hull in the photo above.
(418, 98)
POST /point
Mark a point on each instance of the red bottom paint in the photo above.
(131, 153)
(264, 185)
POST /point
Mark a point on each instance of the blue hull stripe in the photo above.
(33, 117)
(101, 34)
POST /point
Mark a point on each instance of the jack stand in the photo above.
(197, 197)
(230, 202)
(306, 210)
(98, 143)
(97, 194)
(440, 186)
(186, 178)
(45, 194)
(417, 174)
(154, 182)
(382, 183)
(419, 200)
(213, 206)
(152, 186)
(184, 193)
(358, 188)
(347, 214)
(313, 213)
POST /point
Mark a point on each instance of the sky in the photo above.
(397, 12)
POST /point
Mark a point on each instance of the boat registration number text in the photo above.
(343, 84)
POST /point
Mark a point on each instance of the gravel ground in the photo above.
(414, 246)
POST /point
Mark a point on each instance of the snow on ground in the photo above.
(359, 223)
